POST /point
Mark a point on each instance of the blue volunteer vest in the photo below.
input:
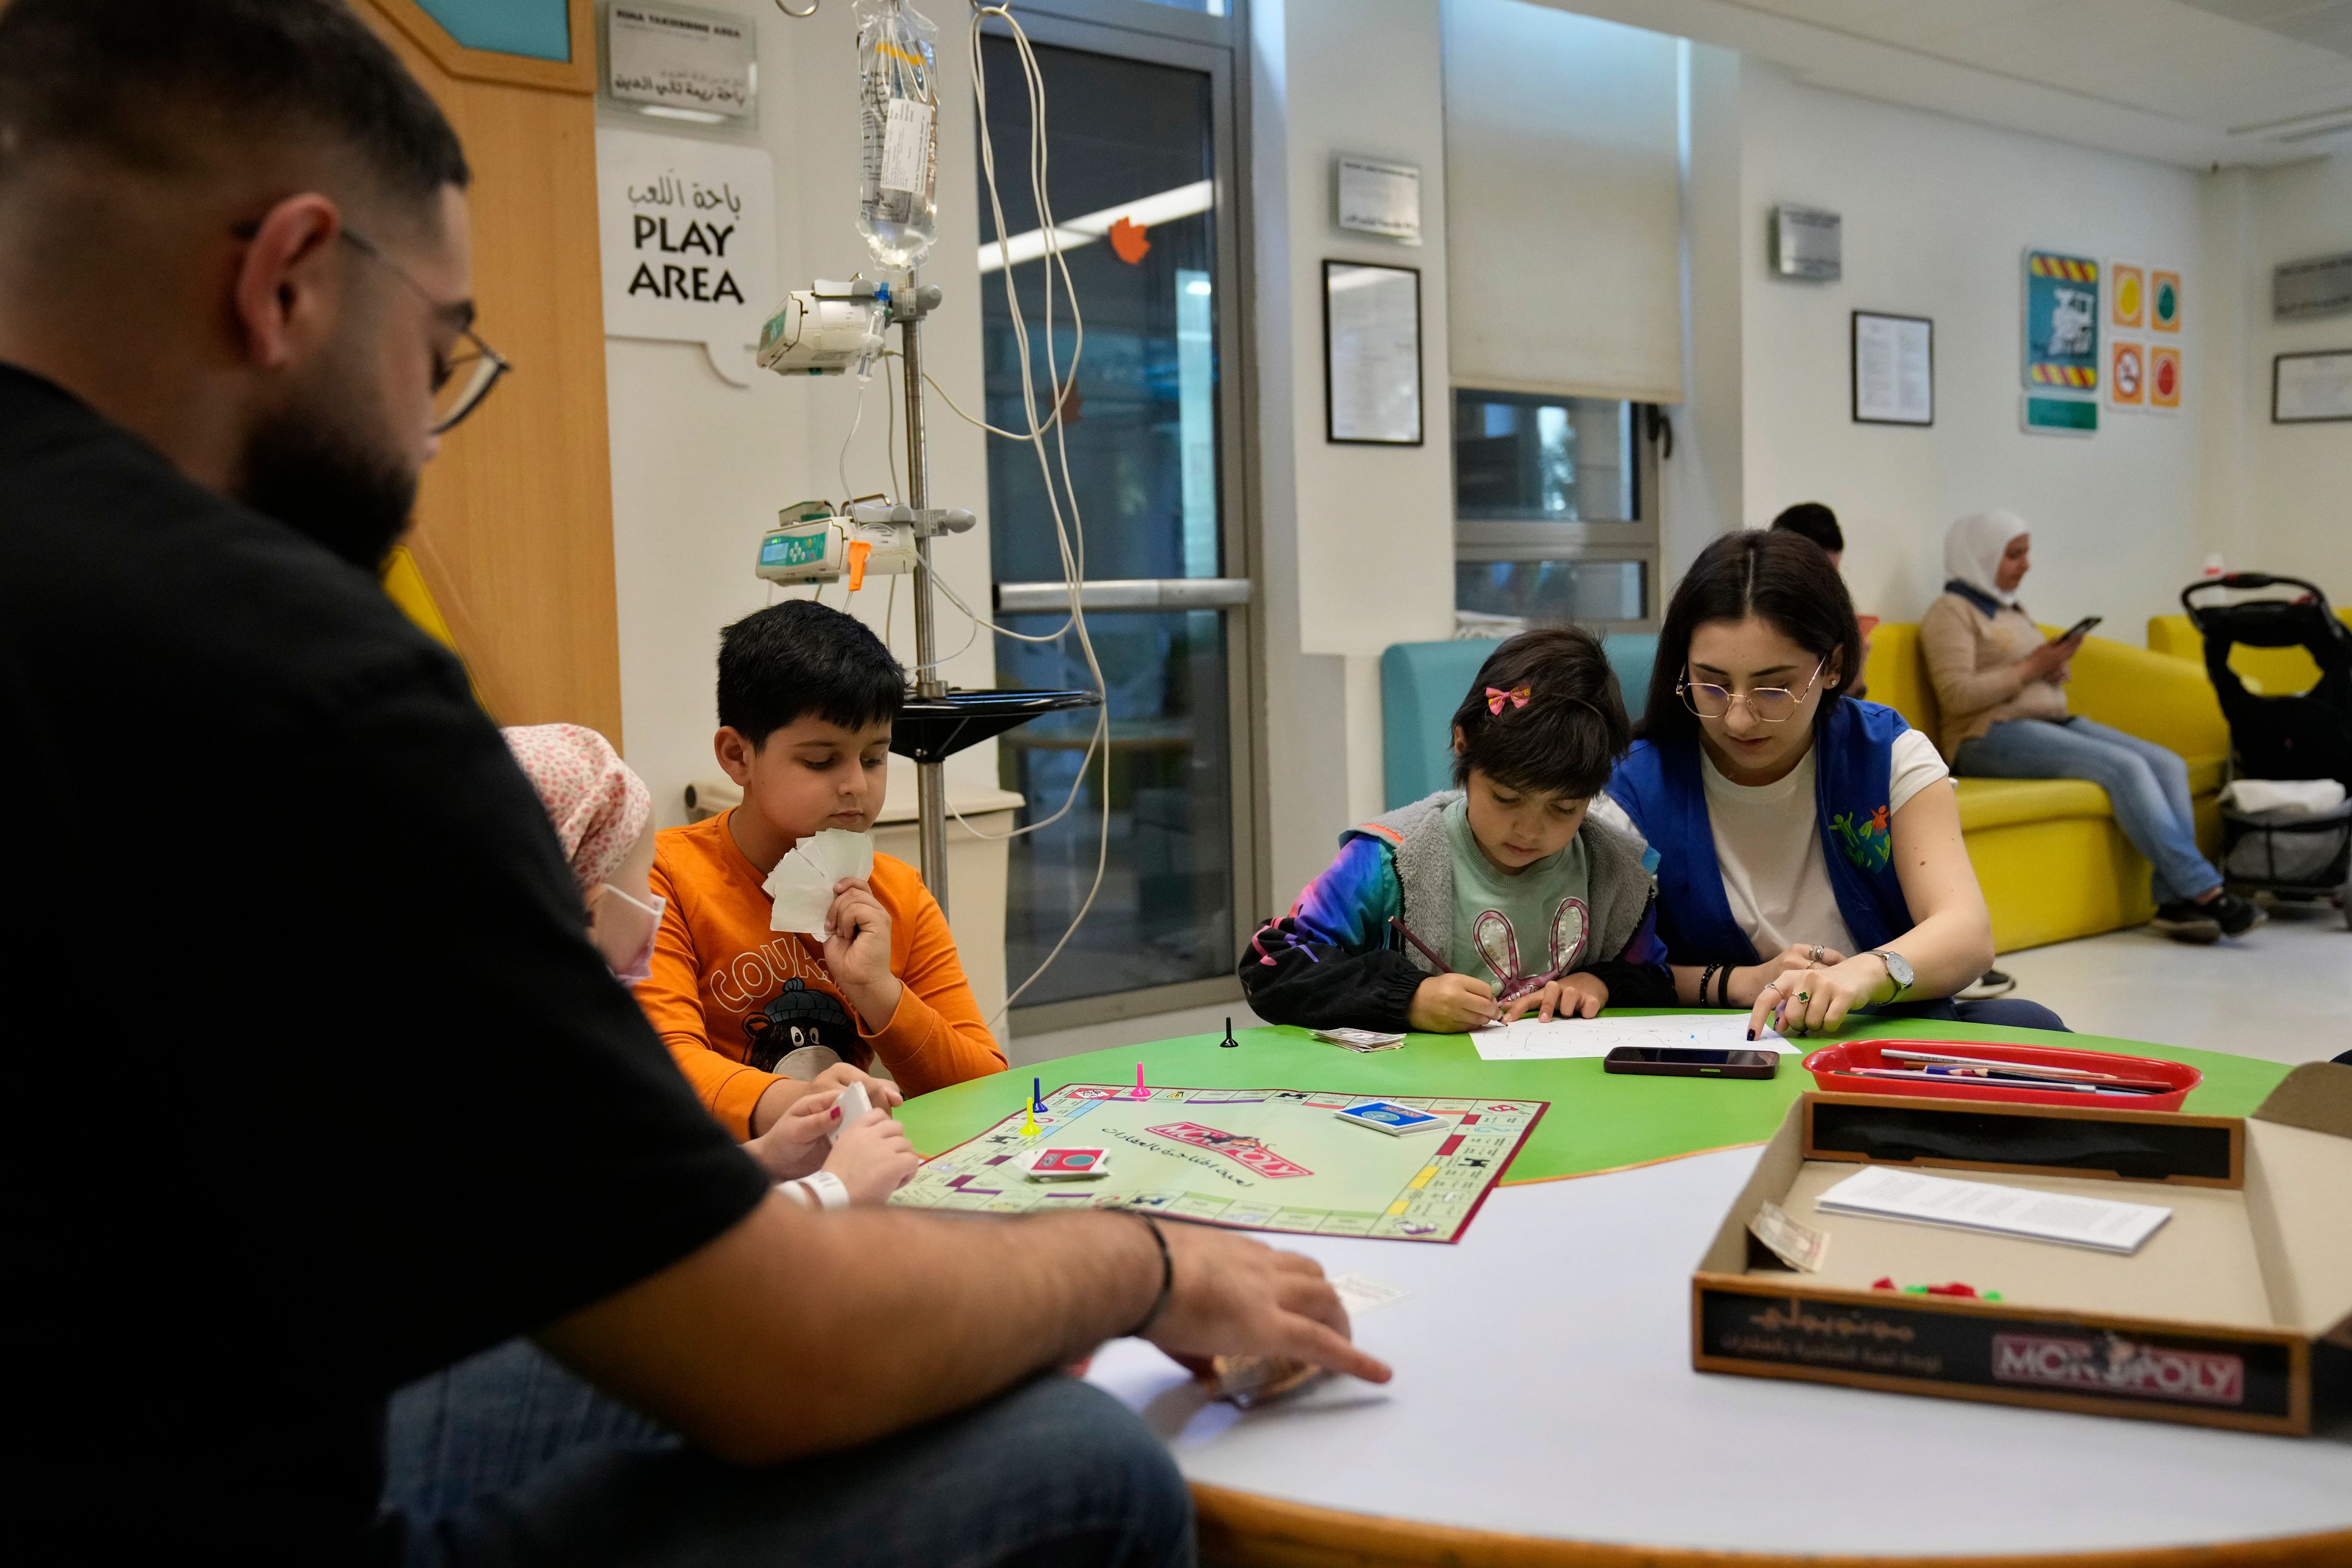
(1662, 790)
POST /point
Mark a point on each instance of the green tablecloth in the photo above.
(1598, 1121)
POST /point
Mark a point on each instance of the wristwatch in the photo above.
(1898, 970)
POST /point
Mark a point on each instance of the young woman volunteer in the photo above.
(1810, 860)
(2002, 689)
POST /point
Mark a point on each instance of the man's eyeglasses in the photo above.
(1767, 705)
(460, 379)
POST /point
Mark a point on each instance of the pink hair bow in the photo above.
(1516, 697)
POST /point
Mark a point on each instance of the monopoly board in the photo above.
(1277, 1160)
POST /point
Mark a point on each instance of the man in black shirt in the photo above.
(316, 1083)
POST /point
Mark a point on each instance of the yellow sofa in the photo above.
(2053, 863)
(2267, 671)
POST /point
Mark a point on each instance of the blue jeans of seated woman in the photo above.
(2148, 785)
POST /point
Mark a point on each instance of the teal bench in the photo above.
(1421, 683)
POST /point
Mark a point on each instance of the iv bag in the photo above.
(898, 210)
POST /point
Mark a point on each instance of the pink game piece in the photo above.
(1141, 1093)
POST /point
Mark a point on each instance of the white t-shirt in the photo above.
(1768, 839)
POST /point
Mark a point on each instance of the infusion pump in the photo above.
(825, 329)
(812, 543)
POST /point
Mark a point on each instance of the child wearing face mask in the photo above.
(602, 817)
(1499, 897)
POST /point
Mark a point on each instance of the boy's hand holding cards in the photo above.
(851, 1106)
(801, 883)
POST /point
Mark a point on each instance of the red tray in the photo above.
(1827, 1067)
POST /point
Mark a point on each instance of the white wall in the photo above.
(700, 467)
(1356, 543)
(1938, 213)
(2295, 483)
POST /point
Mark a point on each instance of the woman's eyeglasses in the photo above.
(1766, 705)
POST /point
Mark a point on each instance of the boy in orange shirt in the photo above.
(806, 699)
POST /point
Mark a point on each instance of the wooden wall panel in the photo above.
(515, 518)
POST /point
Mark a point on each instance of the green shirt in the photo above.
(1508, 928)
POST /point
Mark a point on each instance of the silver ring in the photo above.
(1817, 953)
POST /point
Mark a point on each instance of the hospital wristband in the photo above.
(821, 1191)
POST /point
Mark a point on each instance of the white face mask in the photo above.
(625, 929)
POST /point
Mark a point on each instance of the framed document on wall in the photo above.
(1894, 369)
(2307, 389)
(1371, 354)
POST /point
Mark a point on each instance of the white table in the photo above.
(1544, 1390)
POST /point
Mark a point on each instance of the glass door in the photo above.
(1135, 151)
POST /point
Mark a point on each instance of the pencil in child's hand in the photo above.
(1426, 950)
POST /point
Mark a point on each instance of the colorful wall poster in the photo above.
(2164, 301)
(2126, 374)
(2164, 377)
(2062, 321)
(2126, 294)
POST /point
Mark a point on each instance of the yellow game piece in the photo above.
(1029, 1123)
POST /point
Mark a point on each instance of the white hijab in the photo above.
(1973, 547)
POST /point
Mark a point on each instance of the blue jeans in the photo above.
(2008, 1012)
(2147, 786)
(508, 1460)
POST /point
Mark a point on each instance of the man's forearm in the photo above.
(744, 1346)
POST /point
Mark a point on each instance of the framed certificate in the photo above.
(2307, 389)
(1894, 369)
(1371, 354)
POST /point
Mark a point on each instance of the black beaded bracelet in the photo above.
(1167, 1279)
(1705, 976)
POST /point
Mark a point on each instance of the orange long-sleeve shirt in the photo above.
(733, 997)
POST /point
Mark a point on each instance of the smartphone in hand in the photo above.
(2078, 628)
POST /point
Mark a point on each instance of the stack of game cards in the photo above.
(1361, 1039)
(801, 883)
(1396, 1120)
(1069, 1165)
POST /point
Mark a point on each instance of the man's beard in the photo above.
(323, 482)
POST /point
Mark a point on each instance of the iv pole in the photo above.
(930, 781)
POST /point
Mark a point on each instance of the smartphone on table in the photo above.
(2078, 628)
(1691, 1061)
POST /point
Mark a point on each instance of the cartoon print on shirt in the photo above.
(1869, 843)
(1499, 944)
(798, 1017)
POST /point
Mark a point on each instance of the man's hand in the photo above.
(1569, 996)
(1231, 1296)
(874, 1158)
(1449, 1004)
(857, 953)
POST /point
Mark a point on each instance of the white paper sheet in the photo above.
(1531, 1040)
(1878, 1192)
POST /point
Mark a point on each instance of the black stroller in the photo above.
(2306, 735)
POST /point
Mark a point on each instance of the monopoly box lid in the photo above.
(2236, 1312)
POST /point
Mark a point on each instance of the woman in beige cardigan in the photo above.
(2002, 689)
(2005, 715)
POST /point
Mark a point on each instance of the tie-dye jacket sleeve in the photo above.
(1330, 962)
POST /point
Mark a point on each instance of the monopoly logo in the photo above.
(1248, 1151)
(2113, 1364)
